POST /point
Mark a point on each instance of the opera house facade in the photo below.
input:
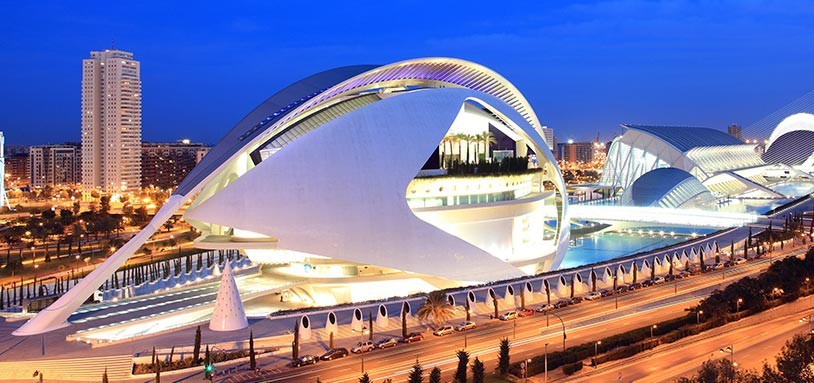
(366, 182)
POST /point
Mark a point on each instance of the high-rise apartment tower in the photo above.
(111, 121)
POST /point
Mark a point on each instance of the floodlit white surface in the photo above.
(352, 206)
(655, 215)
(799, 121)
(228, 314)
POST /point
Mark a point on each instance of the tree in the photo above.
(104, 205)
(463, 362)
(721, 371)
(503, 356)
(252, 359)
(416, 374)
(794, 359)
(158, 373)
(295, 345)
(153, 358)
(105, 379)
(207, 363)
(370, 325)
(435, 375)
(478, 371)
(404, 321)
(331, 341)
(365, 378)
(488, 139)
(494, 303)
(196, 349)
(468, 313)
(437, 307)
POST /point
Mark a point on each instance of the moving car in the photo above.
(508, 316)
(412, 337)
(443, 330)
(593, 295)
(463, 326)
(387, 343)
(545, 307)
(363, 347)
(525, 313)
(305, 360)
(334, 353)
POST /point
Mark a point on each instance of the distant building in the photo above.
(55, 165)
(165, 164)
(575, 151)
(736, 131)
(111, 121)
(17, 169)
(548, 136)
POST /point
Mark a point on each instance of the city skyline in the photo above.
(686, 64)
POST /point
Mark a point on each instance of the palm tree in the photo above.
(460, 137)
(437, 307)
(444, 151)
(488, 138)
(455, 139)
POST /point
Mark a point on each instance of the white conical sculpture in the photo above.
(228, 314)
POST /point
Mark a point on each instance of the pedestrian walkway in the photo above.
(118, 367)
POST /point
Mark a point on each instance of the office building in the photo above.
(575, 152)
(111, 121)
(736, 131)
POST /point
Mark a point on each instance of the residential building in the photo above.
(55, 165)
(165, 164)
(573, 152)
(111, 121)
(736, 131)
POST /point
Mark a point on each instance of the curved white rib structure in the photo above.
(391, 138)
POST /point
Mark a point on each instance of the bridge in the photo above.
(660, 216)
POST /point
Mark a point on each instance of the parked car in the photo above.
(443, 330)
(634, 286)
(545, 307)
(647, 283)
(463, 326)
(740, 260)
(334, 353)
(305, 360)
(605, 293)
(621, 289)
(508, 316)
(363, 347)
(683, 274)
(561, 303)
(659, 280)
(669, 278)
(387, 343)
(715, 266)
(525, 313)
(575, 300)
(593, 295)
(412, 337)
(729, 263)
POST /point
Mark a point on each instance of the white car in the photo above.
(363, 347)
(658, 280)
(592, 295)
(508, 316)
(740, 260)
(463, 326)
(445, 330)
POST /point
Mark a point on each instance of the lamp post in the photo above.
(698, 316)
(738, 305)
(809, 320)
(545, 364)
(731, 351)
(653, 327)
(563, 328)
(596, 352)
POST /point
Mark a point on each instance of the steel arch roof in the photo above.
(686, 138)
(653, 185)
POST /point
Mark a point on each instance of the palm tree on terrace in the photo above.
(436, 306)
(455, 139)
(444, 151)
(488, 138)
(461, 137)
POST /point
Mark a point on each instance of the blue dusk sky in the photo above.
(585, 66)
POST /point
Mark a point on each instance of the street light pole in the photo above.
(545, 365)
(731, 351)
(698, 316)
(738, 305)
(653, 327)
(596, 352)
(563, 330)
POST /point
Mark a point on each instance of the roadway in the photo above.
(756, 339)
(585, 322)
